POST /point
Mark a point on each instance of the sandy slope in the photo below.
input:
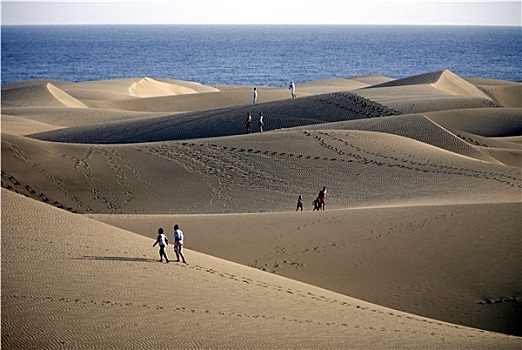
(439, 236)
(251, 173)
(225, 121)
(489, 122)
(445, 262)
(431, 92)
(74, 283)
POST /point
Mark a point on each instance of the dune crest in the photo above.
(455, 85)
(65, 98)
(148, 87)
(444, 80)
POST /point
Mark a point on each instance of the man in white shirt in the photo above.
(178, 243)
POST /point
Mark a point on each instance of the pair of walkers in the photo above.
(291, 87)
(260, 122)
(163, 241)
(319, 203)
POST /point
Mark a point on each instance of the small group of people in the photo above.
(163, 242)
(260, 123)
(291, 87)
(319, 203)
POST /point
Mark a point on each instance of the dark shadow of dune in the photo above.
(225, 121)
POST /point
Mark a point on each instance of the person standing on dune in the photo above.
(178, 243)
(255, 95)
(299, 203)
(291, 87)
(261, 122)
(322, 197)
(249, 123)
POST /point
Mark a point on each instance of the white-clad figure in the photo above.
(291, 87)
(178, 243)
(255, 95)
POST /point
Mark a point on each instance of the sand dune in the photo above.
(418, 246)
(507, 156)
(416, 127)
(86, 284)
(453, 84)
(445, 81)
(56, 117)
(489, 122)
(337, 85)
(390, 256)
(260, 172)
(34, 93)
(429, 92)
(506, 93)
(148, 87)
(132, 88)
(225, 121)
(193, 102)
(507, 96)
(16, 125)
(65, 98)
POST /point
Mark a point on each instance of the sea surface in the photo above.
(256, 55)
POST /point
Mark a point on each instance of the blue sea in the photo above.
(256, 55)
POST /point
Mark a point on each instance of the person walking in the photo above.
(317, 204)
(178, 243)
(249, 123)
(261, 122)
(163, 241)
(291, 87)
(299, 203)
(322, 197)
(255, 95)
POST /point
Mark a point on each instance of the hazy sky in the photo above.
(263, 12)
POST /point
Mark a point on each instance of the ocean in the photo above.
(256, 55)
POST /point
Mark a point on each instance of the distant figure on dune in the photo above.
(299, 203)
(317, 204)
(249, 123)
(261, 122)
(320, 202)
(178, 243)
(163, 241)
(255, 95)
(322, 198)
(291, 87)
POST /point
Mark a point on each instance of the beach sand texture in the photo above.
(419, 245)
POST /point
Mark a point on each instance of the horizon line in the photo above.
(266, 24)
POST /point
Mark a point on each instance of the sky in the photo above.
(435, 12)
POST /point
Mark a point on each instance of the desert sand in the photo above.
(419, 245)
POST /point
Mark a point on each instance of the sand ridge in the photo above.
(65, 98)
(148, 87)
(226, 121)
(438, 91)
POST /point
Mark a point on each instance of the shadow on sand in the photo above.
(116, 258)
